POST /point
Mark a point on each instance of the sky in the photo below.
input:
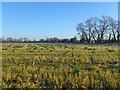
(36, 20)
(60, 0)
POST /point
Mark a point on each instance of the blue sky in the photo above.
(50, 19)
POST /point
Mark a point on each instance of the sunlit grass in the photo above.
(60, 66)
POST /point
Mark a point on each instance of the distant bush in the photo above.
(85, 48)
(91, 48)
(111, 50)
(18, 46)
(4, 48)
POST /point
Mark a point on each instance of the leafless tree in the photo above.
(82, 32)
(113, 28)
(89, 29)
(99, 30)
(104, 24)
(118, 31)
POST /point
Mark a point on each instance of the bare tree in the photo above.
(113, 28)
(89, 29)
(73, 40)
(9, 39)
(99, 30)
(118, 31)
(82, 32)
(25, 39)
(104, 24)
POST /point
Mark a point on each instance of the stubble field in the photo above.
(60, 66)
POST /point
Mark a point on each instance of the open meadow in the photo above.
(60, 66)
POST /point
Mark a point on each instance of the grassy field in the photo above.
(60, 66)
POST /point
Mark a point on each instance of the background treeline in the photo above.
(47, 40)
(93, 30)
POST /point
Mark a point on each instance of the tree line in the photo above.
(47, 40)
(99, 30)
(93, 30)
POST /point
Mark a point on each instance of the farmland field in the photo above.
(60, 66)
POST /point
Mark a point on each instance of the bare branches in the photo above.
(99, 30)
